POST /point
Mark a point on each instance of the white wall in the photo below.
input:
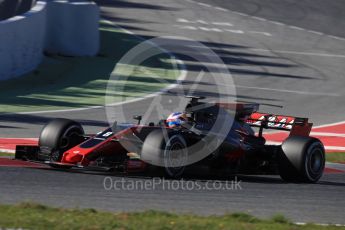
(22, 41)
(72, 28)
(61, 27)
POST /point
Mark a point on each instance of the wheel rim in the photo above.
(174, 158)
(315, 161)
(68, 140)
(69, 136)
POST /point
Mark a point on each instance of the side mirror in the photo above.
(138, 118)
(194, 99)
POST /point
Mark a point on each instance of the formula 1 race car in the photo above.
(222, 132)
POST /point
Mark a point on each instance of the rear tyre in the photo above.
(301, 159)
(168, 151)
(58, 136)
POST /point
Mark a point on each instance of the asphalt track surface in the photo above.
(289, 58)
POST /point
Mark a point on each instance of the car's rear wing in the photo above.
(296, 125)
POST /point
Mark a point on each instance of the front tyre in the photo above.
(58, 136)
(301, 159)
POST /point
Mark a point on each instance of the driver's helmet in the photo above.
(176, 119)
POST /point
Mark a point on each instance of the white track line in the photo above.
(7, 150)
(222, 24)
(259, 32)
(315, 32)
(330, 124)
(277, 23)
(221, 9)
(239, 13)
(299, 53)
(258, 18)
(336, 225)
(296, 28)
(204, 4)
(335, 37)
(339, 148)
(327, 134)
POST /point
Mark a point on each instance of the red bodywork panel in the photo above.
(104, 141)
(108, 143)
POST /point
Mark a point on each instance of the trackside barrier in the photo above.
(72, 28)
(22, 42)
(59, 27)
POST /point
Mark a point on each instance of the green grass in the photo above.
(35, 216)
(6, 154)
(335, 157)
(72, 82)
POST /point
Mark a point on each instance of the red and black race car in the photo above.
(216, 136)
